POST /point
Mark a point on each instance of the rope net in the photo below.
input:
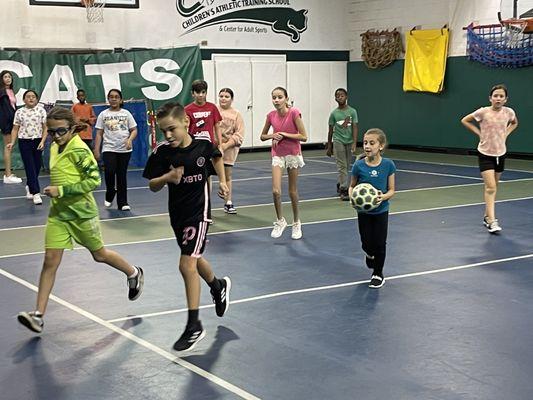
(380, 48)
(95, 10)
(500, 46)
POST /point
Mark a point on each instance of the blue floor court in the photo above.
(453, 320)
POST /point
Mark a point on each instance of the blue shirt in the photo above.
(377, 176)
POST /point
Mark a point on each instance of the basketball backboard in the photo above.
(71, 3)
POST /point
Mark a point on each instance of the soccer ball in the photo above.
(364, 197)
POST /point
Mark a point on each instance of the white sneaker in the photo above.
(29, 196)
(296, 230)
(37, 199)
(279, 227)
(125, 208)
(107, 203)
(12, 179)
(494, 227)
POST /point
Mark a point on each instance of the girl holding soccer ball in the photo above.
(377, 171)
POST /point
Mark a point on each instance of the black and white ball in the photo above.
(364, 197)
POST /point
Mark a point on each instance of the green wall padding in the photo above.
(433, 120)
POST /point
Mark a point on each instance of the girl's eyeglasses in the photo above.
(58, 131)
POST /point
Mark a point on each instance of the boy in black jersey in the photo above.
(181, 162)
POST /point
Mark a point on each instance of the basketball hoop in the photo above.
(514, 30)
(95, 10)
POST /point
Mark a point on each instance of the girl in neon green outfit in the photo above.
(73, 213)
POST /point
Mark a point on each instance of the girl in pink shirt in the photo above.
(494, 124)
(287, 132)
(8, 106)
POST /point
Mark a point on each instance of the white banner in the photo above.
(264, 24)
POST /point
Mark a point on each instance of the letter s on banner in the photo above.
(174, 82)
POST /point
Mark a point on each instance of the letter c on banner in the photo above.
(19, 69)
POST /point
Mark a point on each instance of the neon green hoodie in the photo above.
(75, 172)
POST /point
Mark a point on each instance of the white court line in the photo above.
(330, 173)
(136, 339)
(440, 174)
(424, 162)
(288, 202)
(270, 227)
(257, 178)
(329, 287)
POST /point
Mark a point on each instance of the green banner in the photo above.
(156, 75)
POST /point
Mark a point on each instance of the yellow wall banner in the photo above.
(425, 60)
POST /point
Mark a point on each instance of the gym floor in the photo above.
(451, 322)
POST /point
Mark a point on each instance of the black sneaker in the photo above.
(230, 209)
(376, 282)
(344, 194)
(221, 297)
(135, 285)
(32, 320)
(190, 337)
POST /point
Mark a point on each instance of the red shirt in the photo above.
(85, 112)
(203, 121)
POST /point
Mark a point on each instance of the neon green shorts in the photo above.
(86, 232)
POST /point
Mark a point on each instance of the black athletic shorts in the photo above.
(191, 237)
(489, 162)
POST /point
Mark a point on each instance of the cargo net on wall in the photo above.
(380, 48)
(500, 45)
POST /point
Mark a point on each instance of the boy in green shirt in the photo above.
(73, 213)
(342, 139)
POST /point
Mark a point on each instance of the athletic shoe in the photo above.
(190, 337)
(221, 297)
(29, 196)
(344, 194)
(12, 179)
(494, 227)
(376, 282)
(136, 284)
(486, 221)
(338, 188)
(125, 208)
(37, 199)
(296, 230)
(230, 209)
(279, 227)
(32, 320)
(107, 204)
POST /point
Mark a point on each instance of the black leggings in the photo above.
(116, 171)
(373, 232)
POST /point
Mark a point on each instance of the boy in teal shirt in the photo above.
(342, 139)
(73, 213)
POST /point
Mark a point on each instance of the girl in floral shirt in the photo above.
(29, 127)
